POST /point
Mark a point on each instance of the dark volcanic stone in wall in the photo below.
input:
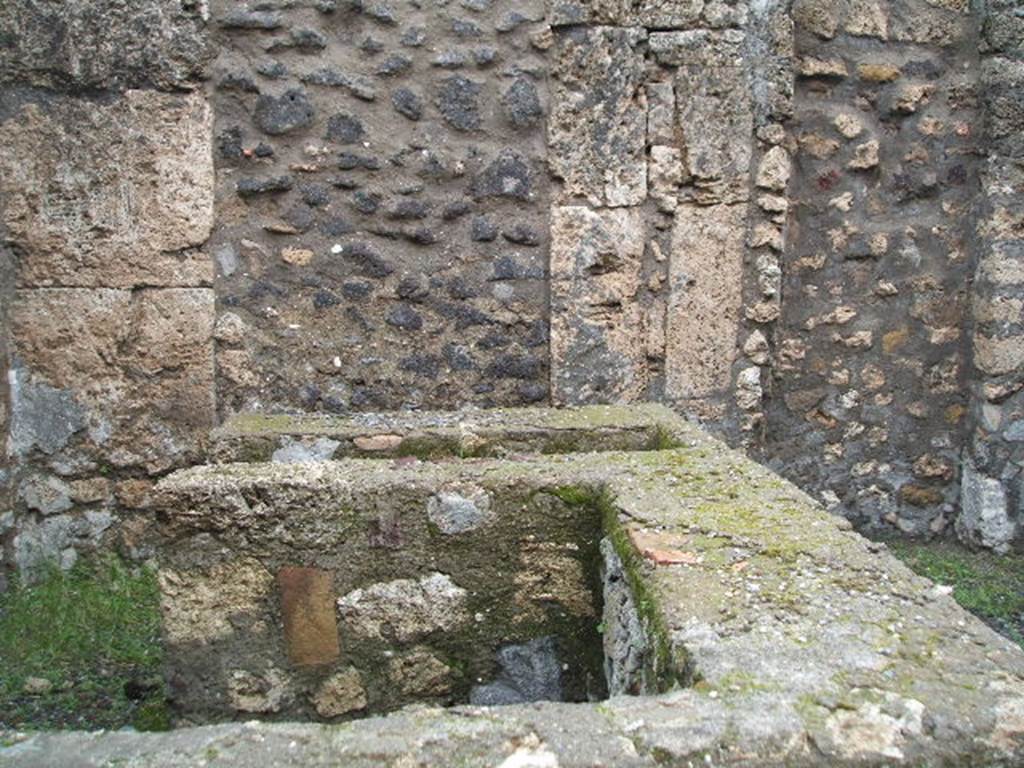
(382, 221)
(282, 114)
(458, 101)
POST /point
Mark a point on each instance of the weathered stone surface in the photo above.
(200, 607)
(986, 517)
(258, 693)
(625, 640)
(529, 672)
(299, 451)
(551, 575)
(998, 356)
(46, 494)
(658, 14)
(470, 432)
(307, 610)
(135, 369)
(102, 194)
(97, 44)
(596, 131)
(42, 417)
(811, 644)
(705, 280)
(340, 694)
(57, 540)
(291, 111)
(405, 609)
(420, 673)
(458, 510)
(597, 338)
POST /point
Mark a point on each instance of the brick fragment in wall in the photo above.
(597, 128)
(308, 615)
(132, 370)
(103, 194)
(598, 342)
(705, 300)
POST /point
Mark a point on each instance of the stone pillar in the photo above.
(651, 137)
(992, 492)
(106, 198)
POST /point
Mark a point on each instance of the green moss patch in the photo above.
(988, 585)
(93, 635)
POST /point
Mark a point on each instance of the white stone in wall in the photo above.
(985, 516)
(404, 609)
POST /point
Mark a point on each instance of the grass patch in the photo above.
(93, 633)
(988, 585)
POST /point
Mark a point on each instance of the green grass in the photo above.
(990, 586)
(88, 631)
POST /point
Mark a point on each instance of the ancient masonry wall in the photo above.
(992, 501)
(869, 402)
(106, 183)
(382, 233)
(765, 214)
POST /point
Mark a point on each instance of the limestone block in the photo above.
(867, 18)
(661, 14)
(714, 112)
(132, 371)
(985, 517)
(705, 300)
(340, 694)
(93, 44)
(998, 356)
(668, 14)
(404, 609)
(661, 114)
(199, 607)
(459, 509)
(419, 673)
(818, 16)
(101, 194)
(596, 133)
(597, 336)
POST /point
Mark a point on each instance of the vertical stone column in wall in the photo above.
(992, 486)
(714, 125)
(6, 465)
(596, 260)
(596, 150)
(106, 197)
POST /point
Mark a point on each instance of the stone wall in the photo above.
(869, 404)
(993, 493)
(106, 191)
(795, 221)
(669, 207)
(382, 235)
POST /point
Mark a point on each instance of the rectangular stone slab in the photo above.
(463, 434)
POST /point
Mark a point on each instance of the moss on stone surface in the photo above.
(760, 597)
